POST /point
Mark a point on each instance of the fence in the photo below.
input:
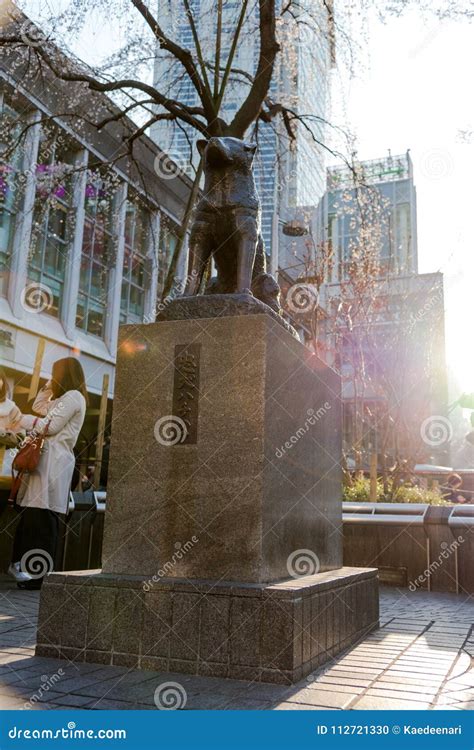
(413, 545)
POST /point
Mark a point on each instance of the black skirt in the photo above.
(35, 542)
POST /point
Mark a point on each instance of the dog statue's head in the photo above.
(223, 152)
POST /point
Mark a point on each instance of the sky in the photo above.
(411, 90)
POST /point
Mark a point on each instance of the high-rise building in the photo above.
(385, 201)
(288, 174)
(370, 206)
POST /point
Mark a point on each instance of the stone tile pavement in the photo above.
(421, 658)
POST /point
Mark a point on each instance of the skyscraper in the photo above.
(288, 174)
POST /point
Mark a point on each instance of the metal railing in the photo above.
(81, 540)
(409, 513)
(386, 513)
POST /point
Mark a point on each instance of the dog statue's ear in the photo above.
(201, 145)
(251, 147)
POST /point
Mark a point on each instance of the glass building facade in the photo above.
(53, 229)
(81, 250)
(380, 214)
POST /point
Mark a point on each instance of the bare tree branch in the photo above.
(269, 48)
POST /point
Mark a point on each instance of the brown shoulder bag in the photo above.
(26, 460)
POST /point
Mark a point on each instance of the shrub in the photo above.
(359, 492)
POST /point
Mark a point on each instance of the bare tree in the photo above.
(209, 65)
(381, 328)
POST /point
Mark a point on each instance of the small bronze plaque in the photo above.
(186, 389)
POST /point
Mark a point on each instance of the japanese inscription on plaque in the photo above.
(186, 389)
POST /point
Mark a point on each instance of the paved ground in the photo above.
(422, 657)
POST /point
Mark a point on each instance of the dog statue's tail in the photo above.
(260, 264)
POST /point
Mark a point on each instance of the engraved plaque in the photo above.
(186, 389)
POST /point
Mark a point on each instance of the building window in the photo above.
(10, 163)
(98, 252)
(403, 236)
(50, 235)
(136, 266)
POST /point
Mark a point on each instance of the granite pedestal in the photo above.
(264, 632)
(224, 490)
(234, 486)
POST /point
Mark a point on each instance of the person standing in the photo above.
(44, 495)
(10, 415)
(452, 492)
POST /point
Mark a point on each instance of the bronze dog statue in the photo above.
(227, 223)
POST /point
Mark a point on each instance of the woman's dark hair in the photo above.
(4, 385)
(68, 375)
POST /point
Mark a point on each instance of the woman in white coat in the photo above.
(44, 494)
